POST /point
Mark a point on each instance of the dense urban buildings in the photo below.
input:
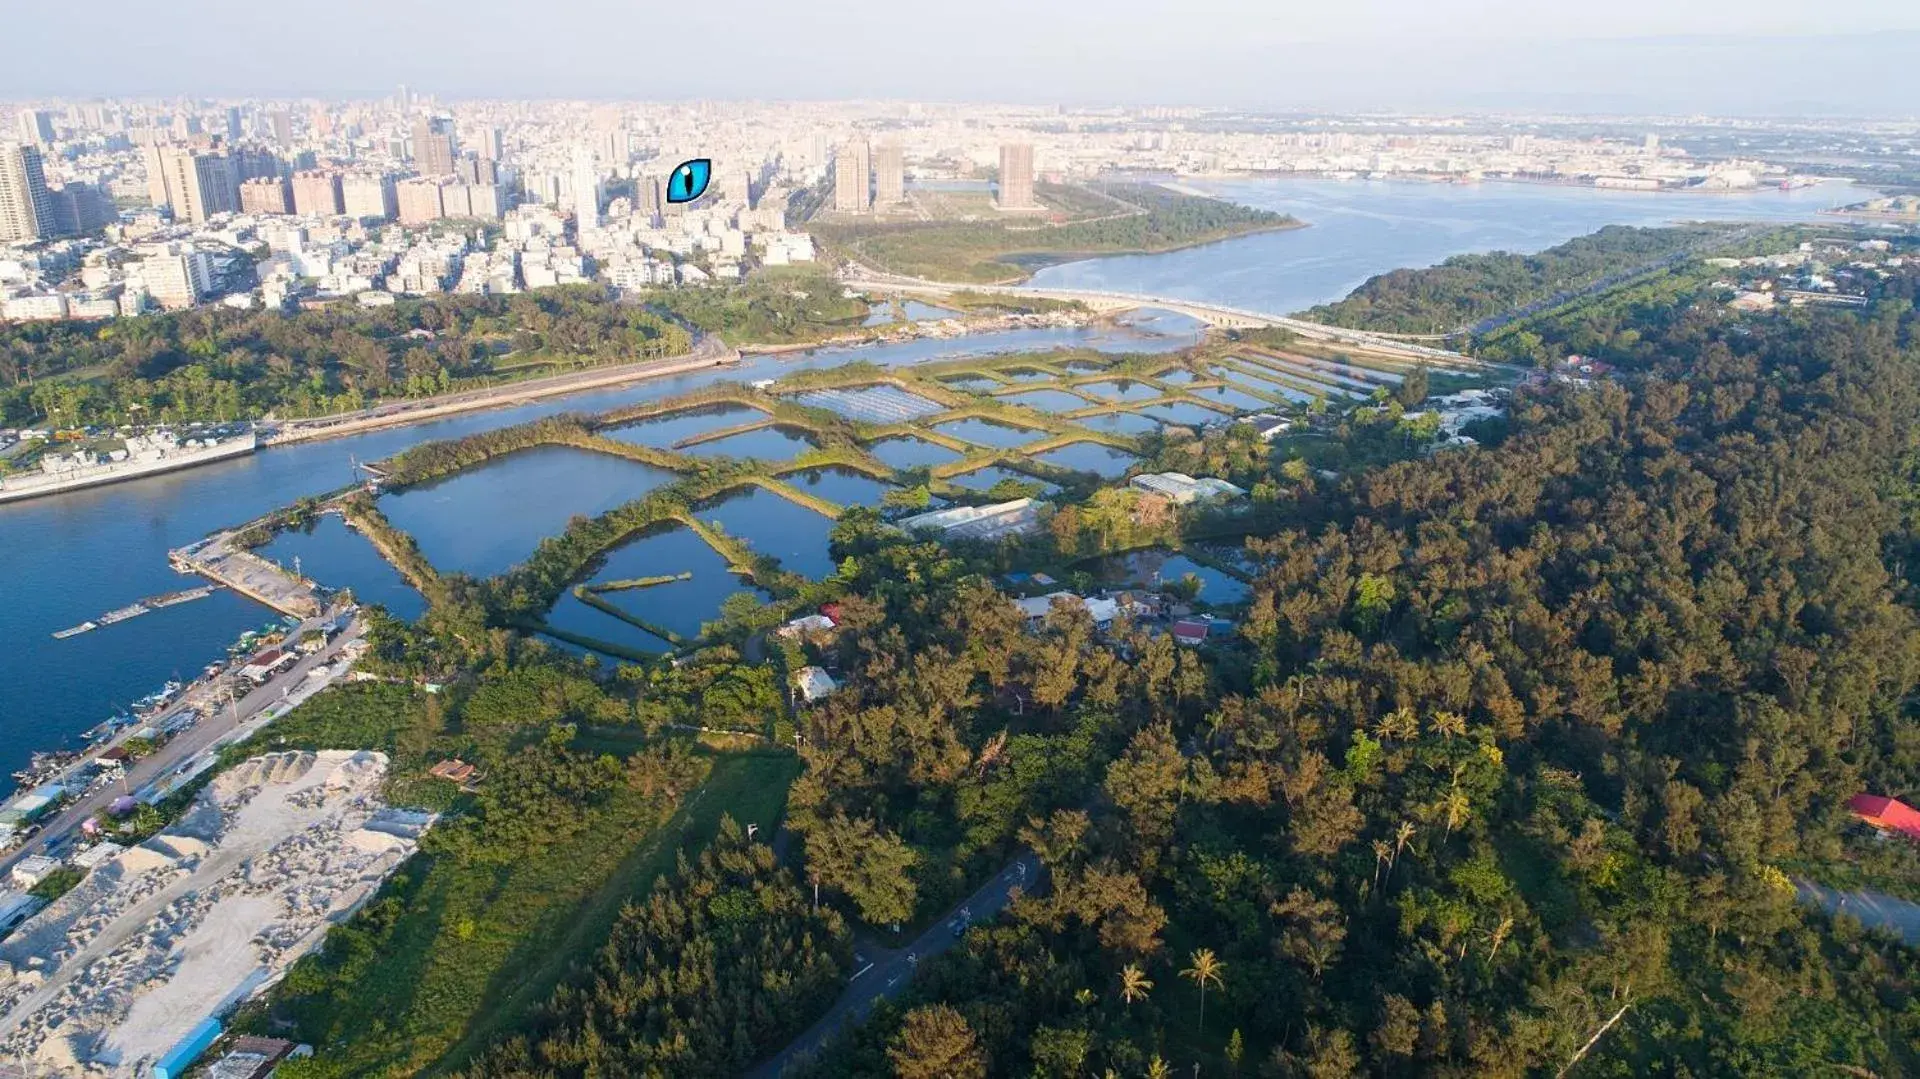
(316, 193)
(1016, 176)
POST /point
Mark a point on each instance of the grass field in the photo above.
(457, 952)
(964, 239)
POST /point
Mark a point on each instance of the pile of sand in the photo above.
(274, 851)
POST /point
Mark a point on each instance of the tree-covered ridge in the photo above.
(1466, 289)
(700, 979)
(1005, 250)
(1518, 749)
(218, 363)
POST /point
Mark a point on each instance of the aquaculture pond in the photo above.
(1131, 424)
(841, 485)
(1185, 413)
(973, 383)
(678, 606)
(1238, 400)
(1123, 390)
(989, 433)
(905, 451)
(986, 479)
(765, 443)
(484, 520)
(343, 558)
(774, 525)
(1158, 566)
(1103, 461)
(1048, 400)
(661, 432)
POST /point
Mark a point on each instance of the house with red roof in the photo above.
(1886, 814)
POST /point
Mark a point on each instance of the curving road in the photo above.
(882, 973)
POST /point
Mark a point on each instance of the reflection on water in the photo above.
(841, 485)
(775, 526)
(1104, 461)
(485, 520)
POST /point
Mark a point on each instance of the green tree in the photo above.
(1205, 970)
(935, 1042)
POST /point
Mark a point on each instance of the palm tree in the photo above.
(1205, 969)
(1134, 984)
(1448, 724)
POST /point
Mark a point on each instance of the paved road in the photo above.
(883, 974)
(189, 744)
(1874, 909)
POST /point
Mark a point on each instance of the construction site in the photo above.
(180, 929)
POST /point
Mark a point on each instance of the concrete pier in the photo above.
(219, 560)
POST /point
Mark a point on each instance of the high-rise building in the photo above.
(490, 148)
(433, 145)
(265, 195)
(586, 190)
(280, 121)
(852, 172)
(316, 193)
(889, 175)
(418, 200)
(178, 280)
(233, 123)
(646, 192)
(26, 206)
(36, 128)
(80, 208)
(455, 200)
(367, 194)
(483, 200)
(1016, 176)
(404, 98)
(197, 185)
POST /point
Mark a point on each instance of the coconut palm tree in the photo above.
(1206, 968)
(1134, 984)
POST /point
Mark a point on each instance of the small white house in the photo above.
(815, 684)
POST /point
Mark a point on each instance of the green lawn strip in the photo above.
(591, 644)
(1295, 373)
(830, 510)
(646, 455)
(851, 459)
(752, 788)
(1268, 374)
(725, 432)
(738, 554)
(581, 593)
(626, 583)
(393, 544)
(722, 394)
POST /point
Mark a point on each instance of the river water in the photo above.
(70, 557)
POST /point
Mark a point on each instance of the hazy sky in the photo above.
(1596, 55)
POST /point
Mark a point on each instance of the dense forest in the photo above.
(997, 251)
(1518, 744)
(700, 980)
(1465, 290)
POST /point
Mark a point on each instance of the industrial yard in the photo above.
(181, 928)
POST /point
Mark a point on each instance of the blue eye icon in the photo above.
(689, 180)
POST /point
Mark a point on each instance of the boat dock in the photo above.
(136, 609)
(219, 560)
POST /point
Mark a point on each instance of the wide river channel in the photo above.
(67, 558)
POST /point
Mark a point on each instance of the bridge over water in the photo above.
(1217, 315)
